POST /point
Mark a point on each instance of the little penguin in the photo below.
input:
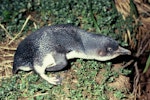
(49, 48)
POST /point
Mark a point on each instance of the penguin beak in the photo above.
(123, 51)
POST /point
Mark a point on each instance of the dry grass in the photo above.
(6, 59)
(7, 50)
(142, 35)
(123, 6)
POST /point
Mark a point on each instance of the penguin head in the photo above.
(109, 49)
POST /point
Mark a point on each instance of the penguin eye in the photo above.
(109, 49)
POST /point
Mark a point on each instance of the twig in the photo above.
(7, 33)
(129, 63)
(7, 48)
(5, 62)
(146, 45)
(20, 30)
(3, 77)
(141, 49)
(136, 80)
(129, 35)
(9, 55)
(40, 94)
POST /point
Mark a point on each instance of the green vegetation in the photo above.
(81, 81)
(98, 14)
